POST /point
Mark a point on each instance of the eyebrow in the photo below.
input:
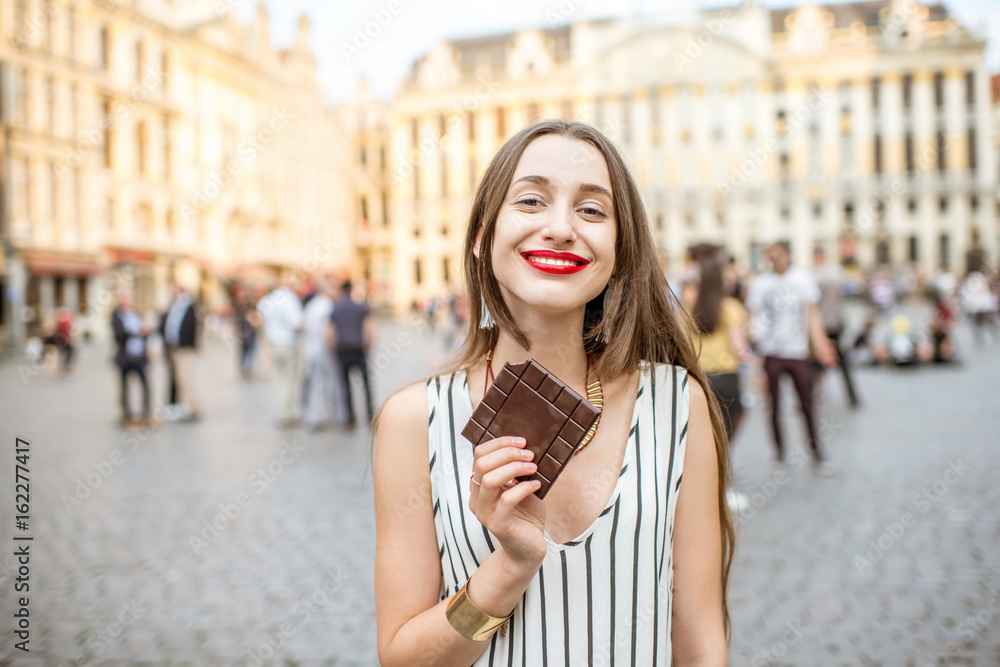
(591, 188)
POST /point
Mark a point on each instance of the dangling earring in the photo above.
(485, 319)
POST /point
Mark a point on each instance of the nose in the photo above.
(559, 228)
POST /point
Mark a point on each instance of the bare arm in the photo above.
(698, 631)
(826, 352)
(369, 333)
(412, 626)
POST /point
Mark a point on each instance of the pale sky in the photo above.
(419, 24)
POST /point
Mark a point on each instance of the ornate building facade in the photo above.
(159, 141)
(862, 128)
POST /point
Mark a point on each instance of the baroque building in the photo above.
(158, 141)
(862, 128)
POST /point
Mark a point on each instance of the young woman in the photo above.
(620, 563)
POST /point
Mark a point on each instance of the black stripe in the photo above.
(524, 624)
(451, 559)
(656, 522)
(631, 431)
(606, 509)
(430, 420)
(437, 506)
(590, 605)
(611, 542)
(565, 592)
(454, 458)
(441, 551)
(684, 384)
(670, 465)
(434, 459)
(684, 432)
(635, 545)
(489, 542)
(639, 393)
(678, 485)
(461, 559)
(624, 468)
(493, 647)
(541, 589)
(510, 638)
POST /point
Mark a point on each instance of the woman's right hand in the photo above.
(507, 508)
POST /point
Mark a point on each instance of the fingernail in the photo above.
(530, 467)
(527, 454)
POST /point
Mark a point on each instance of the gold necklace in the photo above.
(595, 394)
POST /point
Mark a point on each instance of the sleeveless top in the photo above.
(603, 598)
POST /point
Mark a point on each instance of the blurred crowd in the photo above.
(751, 330)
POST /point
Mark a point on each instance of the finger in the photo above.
(499, 443)
(513, 496)
(495, 479)
(486, 463)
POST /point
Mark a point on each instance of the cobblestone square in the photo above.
(229, 542)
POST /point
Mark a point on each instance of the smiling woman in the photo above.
(619, 560)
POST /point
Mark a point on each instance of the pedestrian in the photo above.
(831, 281)
(281, 313)
(786, 320)
(131, 335)
(718, 332)
(322, 394)
(478, 569)
(246, 322)
(351, 332)
(62, 339)
(179, 331)
(980, 305)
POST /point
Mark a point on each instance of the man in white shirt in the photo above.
(179, 330)
(785, 320)
(281, 313)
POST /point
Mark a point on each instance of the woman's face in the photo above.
(554, 241)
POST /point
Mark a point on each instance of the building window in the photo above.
(846, 154)
(364, 208)
(140, 58)
(417, 274)
(53, 192)
(22, 97)
(444, 269)
(444, 173)
(911, 205)
(970, 88)
(971, 140)
(416, 182)
(501, 124)
(848, 213)
(147, 222)
(907, 91)
(974, 203)
(71, 32)
(105, 48)
(908, 149)
(140, 145)
(943, 204)
(817, 210)
(381, 157)
(914, 249)
(470, 125)
(171, 222)
(941, 150)
(385, 210)
(164, 69)
(786, 213)
(877, 146)
(938, 89)
(48, 11)
(167, 150)
(50, 101)
(944, 252)
(363, 157)
(414, 132)
(876, 92)
(109, 134)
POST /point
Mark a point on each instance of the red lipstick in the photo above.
(567, 261)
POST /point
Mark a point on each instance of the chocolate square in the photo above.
(532, 403)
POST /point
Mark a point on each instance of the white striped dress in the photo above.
(603, 598)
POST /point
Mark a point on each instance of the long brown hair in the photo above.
(635, 318)
(711, 291)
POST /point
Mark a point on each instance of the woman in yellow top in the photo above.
(720, 335)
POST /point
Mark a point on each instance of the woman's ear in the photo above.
(479, 240)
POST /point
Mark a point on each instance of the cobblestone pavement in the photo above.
(229, 542)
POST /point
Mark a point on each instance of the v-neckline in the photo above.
(627, 456)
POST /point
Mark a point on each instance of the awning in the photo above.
(61, 264)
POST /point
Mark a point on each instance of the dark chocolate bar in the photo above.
(528, 401)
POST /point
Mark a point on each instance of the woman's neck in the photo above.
(556, 344)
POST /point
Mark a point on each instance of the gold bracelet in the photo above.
(470, 621)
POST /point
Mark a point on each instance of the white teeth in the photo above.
(551, 261)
